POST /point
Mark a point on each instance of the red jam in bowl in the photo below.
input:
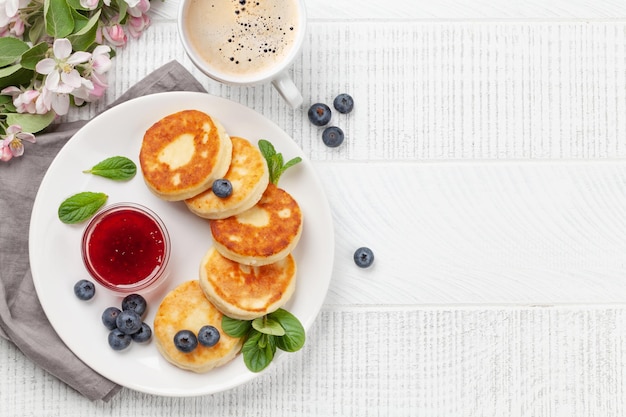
(126, 248)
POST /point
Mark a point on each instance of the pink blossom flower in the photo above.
(62, 77)
(12, 143)
(136, 25)
(23, 100)
(114, 34)
(141, 7)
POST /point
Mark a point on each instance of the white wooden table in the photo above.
(485, 166)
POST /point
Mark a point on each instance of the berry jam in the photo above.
(125, 247)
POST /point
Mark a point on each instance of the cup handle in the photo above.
(287, 89)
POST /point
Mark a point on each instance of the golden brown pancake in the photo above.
(246, 292)
(183, 153)
(249, 177)
(187, 308)
(263, 234)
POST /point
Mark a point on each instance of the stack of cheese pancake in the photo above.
(248, 271)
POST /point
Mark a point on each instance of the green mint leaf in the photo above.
(268, 326)
(81, 206)
(118, 168)
(258, 351)
(274, 160)
(234, 327)
(295, 336)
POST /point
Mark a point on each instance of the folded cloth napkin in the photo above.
(22, 319)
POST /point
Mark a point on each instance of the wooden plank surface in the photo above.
(441, 88)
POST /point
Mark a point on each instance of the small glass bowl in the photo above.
(126, 248)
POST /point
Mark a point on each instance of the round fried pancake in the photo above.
(246, 292)
(183, 153)
(249, 177)
(187, 308)
(263, 234)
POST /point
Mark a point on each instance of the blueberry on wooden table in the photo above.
(363, 257)
(319, 114)
(84, 289)
(343, 103)
(332, 136)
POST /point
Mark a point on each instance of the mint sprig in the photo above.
(118, 168)
(275, 162)
(262, 336)
(81, 206)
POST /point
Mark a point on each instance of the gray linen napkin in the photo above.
(22, 319)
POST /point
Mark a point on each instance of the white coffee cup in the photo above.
(229, 40)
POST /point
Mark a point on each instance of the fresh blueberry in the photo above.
(109, 317)
(118, 340)
(363, 257)
(128, 322)
(185, 341)
(319, 114)
(208, 336)
(143, 335)
(136, 303)
(84, 289)
(343, 103)
(332, 136)
(222, 188)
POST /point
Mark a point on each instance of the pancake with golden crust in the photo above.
(249, 177)
(187, 308)
(246, 292)
(263, 234)
(183, 153)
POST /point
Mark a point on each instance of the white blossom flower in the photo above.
(62, 76)
(9, 9)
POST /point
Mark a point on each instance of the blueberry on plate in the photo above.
(363, 257)
(208, 336)
(119, 340)
(84, 289)
(128, 322)
(136, 303)
(222, 188)
(109, 317)
(343, 103)
(185, 341)
(332, 136)
(143, 334)
(319, 114)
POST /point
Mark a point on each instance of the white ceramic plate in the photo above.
(55, 247)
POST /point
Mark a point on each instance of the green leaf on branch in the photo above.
(11, 49)
(36, 31)
(31, 123)
(35, 54)
(15, 75)
(83, 38)
(59, 20)
(123, 8)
